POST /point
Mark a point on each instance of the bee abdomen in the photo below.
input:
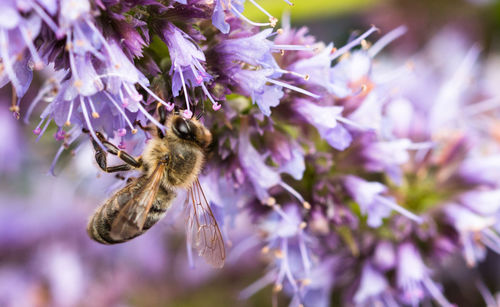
(99, 227)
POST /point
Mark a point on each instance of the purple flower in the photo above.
(236, 7)
(475, 229)
(187, 68)
(325, 119)
(374, 289)
(413, 278)
(248, 64)
(369, 197)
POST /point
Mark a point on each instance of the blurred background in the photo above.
(46, 258)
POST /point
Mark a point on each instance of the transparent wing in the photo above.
(132, 216)
(202, 230)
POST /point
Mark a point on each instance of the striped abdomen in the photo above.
(99, 227)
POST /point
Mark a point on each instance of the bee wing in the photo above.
(132, 216)
(202, 230)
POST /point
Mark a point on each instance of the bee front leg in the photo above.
(101, 155)
(112, 149)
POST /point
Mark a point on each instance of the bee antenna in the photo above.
(199, 115)
(176, 110)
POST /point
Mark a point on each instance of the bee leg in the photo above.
(100, 154)
(118, 168)
(143, 128)
(121, 177)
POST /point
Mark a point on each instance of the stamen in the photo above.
(89, 124)
(306, 205)
(216, 106)
(436, 293)
(490, 239)
(168, 105)
(292, 47)
(38, 64)
(480, 107)
(258, 24)
(14, 107)
(199, 78)
(41, 93)
(72, 64)
(284, 263)
(272, 20)
(104, 42)
(258, 285)
(293, 73)
(292, 191)
(151, 118)
(293, 88)
(43, 130)
(122, 112)
(74, 133)
(48, 21)
(37, 130)
(421, 145)
(187, 113)
(353, 43)
(70, 112)
(94, 112)
(386, 40)
(304, 255)
(352, 123)
(132, 92)
(400, 209)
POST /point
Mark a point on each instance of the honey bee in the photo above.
(169, 161)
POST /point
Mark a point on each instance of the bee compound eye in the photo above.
(181, 128)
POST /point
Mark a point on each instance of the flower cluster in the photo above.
(361, 175)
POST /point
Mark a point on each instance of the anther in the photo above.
(273, 21)
(37, 131)
(265, 249)
(364, 44)
(306, 205)
(78, 84)
(271, 201)
(303, 225)
(305, 282)
(277, 288)
(134, 131)
(95, 114)
(278, 254)
(280, 31)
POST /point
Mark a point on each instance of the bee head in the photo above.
(191, 130)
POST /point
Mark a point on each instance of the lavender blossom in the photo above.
(315, 145)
